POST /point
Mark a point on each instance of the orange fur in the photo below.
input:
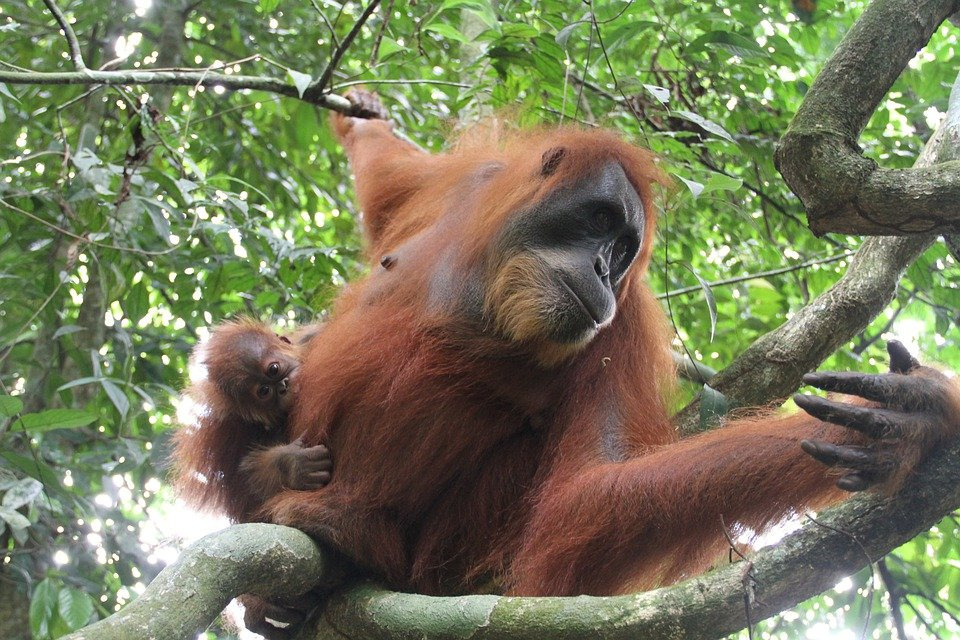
(230, 457)
(468, 452)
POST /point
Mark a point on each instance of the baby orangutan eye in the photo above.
(263, 391)
(273, 369)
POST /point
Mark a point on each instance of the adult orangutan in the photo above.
(495, 395)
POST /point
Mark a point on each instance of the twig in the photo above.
(937, 604)
(186, 78)
(82, 238)
(866, 622)
(758, 275)
(922, 618)
(864, 342)
(411, 81)
(333, 32)
(896, 597)
(69, 34)
(748, 579)
(318, 86)
(387, 11)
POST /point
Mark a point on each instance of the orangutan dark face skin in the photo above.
(561, 262)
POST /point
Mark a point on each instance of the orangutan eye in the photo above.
(263, 391)
(273, 370)
(602, 220)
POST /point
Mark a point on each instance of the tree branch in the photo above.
(819, 157)
(804, 564)
(185, 78)
(770, 369)
(756, 276)
(69, 34)
(319, 86)
(896, 593)
(278, 562)
(264, 559)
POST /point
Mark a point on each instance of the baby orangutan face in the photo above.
(271, 377)
(254, 369)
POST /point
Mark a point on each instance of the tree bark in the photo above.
(274, 561)
(263, 559)
(770, 369)
(819, 157)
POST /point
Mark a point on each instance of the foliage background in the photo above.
(132, 218)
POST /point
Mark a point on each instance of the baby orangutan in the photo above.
(236, 457)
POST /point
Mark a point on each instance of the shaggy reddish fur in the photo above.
(460, 458)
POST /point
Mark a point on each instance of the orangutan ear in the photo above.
(550, 160)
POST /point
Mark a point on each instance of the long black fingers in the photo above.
(887, 388)
(867, 466)
(853, 482)
(900, 359)
(834, 455)
(876, 423)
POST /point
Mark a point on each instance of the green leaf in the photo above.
(731, 42)
(447, 31)
(10, 406)
(34, 468)
(300, 80)
(522, 31)
(720, 182)
(5, 91)
(84, 160)
(55, 419)
(564, 34)
(66, 330)
(695, 187)
(708, 294)
(22, 493)
(660, 94)
(268, 6)
(117, 397)
(708, 125)
(42, 605)
(75, 607)
(13, 518)
(388, 47)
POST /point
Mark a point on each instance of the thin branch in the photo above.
(333, 32)
(896, 598)
(411, 81)
(83, 238)
(319, 86)
(69, 34)
(928, 625)
(937, 604)
(186, 78)
(375, 50)
(758, 275)
(866, 342)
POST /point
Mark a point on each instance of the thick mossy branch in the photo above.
(771, 368)
(806, 563)
(264, 559)
(819, 157)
